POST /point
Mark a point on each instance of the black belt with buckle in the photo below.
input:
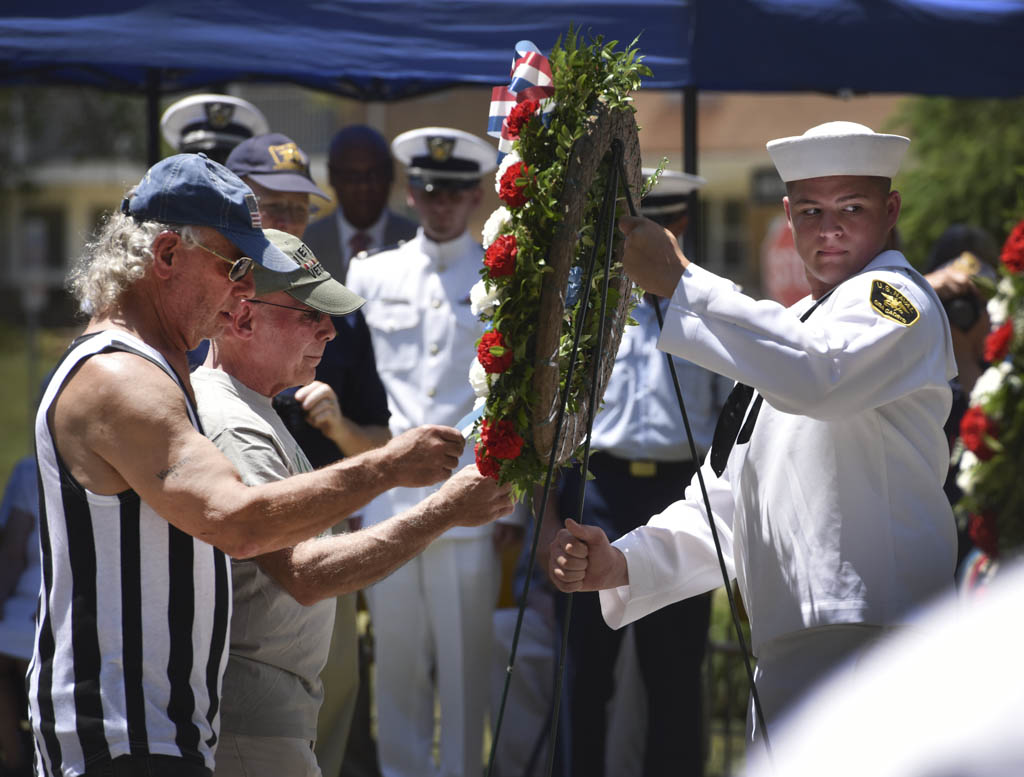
(638, 468)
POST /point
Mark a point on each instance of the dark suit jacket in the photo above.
(323, 240)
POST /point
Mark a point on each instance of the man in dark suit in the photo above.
(361, 172)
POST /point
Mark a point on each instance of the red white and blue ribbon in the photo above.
(529, 79)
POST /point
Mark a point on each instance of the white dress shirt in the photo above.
(640, 419)
(375, 232)
(424, 340)
(834, 511)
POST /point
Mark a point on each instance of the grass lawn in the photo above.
(21, 382)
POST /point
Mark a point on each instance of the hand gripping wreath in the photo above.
(557, 122)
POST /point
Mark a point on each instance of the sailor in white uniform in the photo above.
(432, 618)
(826, 469)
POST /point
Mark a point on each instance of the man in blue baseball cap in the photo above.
(140, 511)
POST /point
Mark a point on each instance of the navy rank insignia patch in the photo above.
(889, 303)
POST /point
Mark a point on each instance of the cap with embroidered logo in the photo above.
(213, 123)
(308, 281)
(275, 162)
(191, 189)
(838, 148)
(443, 157)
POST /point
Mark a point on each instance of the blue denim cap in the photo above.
(190, 189)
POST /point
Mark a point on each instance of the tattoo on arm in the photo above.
(166, 473)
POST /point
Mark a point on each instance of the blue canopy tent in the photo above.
(388, 49)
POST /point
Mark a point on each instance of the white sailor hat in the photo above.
(838, 148)
(213, 123)
(670, 196)
(443, 157)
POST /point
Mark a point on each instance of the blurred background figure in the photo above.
(432, 618)
(211, 123)
(361, 172)
(641, 465)
(19, 590)
(962, 254)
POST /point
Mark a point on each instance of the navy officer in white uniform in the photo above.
(211, 123)
(432, 618)
(825, 479)
(641, 464)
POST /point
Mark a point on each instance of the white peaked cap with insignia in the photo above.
(444, 157)
(202, 122)
(671, 193)
(838, 148)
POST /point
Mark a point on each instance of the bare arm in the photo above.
(121, 423)
(330, 566)
(323, 412)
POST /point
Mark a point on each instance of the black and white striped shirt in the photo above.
(133, 615)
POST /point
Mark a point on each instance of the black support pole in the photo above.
(693, 239)
(153, 116)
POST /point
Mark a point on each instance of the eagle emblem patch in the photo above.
(889, 303)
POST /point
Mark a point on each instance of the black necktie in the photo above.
(728, 431)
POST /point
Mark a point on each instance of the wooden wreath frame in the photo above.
(602, 127)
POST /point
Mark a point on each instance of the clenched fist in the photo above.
(582, 559)
(651, 256)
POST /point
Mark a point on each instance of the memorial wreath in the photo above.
(556, 121)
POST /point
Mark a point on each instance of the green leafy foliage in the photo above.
(965, 165)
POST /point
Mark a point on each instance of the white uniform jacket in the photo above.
(424, 340)
(834, 510)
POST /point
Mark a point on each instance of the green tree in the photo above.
(965, 165)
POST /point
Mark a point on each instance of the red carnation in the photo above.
(501, 439)
(1013, 249)
(975, 426)
(997, 344)
(511, 193)
(492, 352)
(984, 533)
(488, 466)
(501, 256)
(520, 115)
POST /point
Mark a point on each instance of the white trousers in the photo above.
(790, 666)
(432, 625)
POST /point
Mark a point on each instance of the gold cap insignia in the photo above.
(288, 156)
(440, 148)
(967, 263)
(889, 303)
(219, 115)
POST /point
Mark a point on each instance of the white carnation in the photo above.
(507, 161)
(968, 472)
(494, 225)
(989, 382)
(481, 301)
(998, 310)
(478, 379)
